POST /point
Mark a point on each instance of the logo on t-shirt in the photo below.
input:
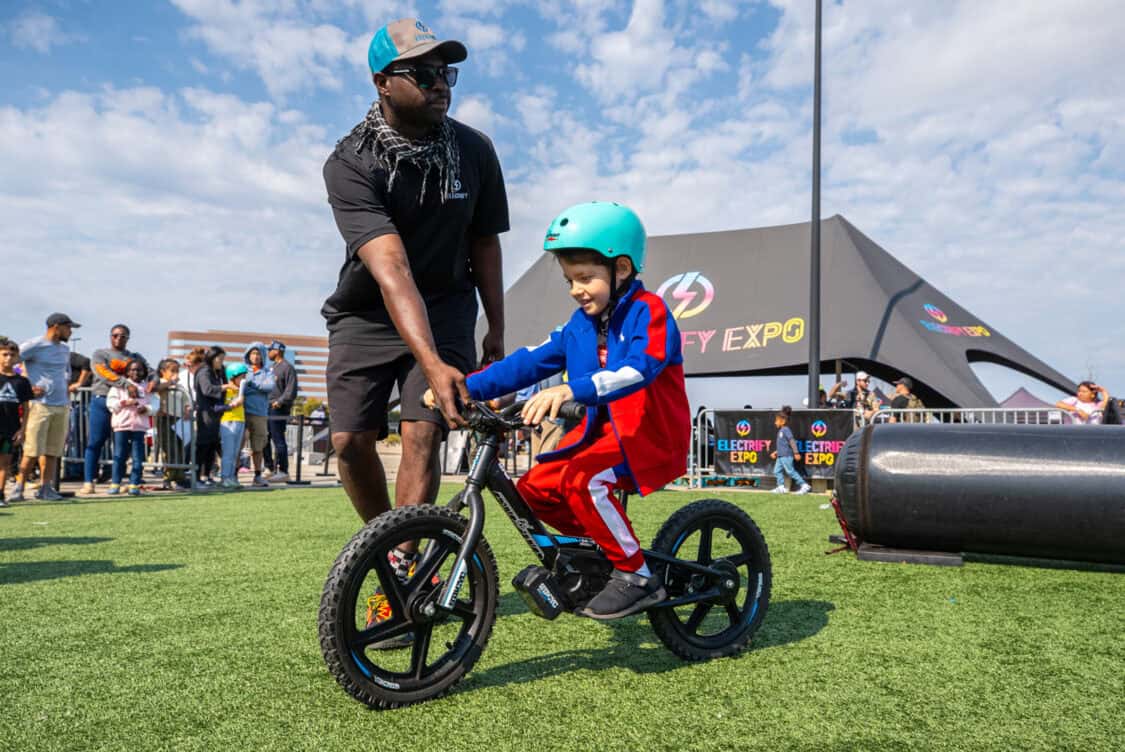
(457, 193)
(8, 394)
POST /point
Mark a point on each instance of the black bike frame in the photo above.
(486, 472)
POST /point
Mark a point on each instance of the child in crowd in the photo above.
(15, 393)
(173, 424)
(130, 418)
(233, 424)
(621, 351)
(785, 454)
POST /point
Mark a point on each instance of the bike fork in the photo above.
(472, 497)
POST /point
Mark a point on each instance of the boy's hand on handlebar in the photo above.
(546, 404)
(447, 385)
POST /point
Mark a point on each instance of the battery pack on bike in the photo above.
(539, 591)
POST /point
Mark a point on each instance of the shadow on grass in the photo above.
(24, 544)
(786, 622)
(37, 571)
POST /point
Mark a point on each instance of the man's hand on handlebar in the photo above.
(546, 404)
(447, 385)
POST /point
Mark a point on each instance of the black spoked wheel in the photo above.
(383, 638)
(721, 536)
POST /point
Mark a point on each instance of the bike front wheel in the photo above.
(381, 637)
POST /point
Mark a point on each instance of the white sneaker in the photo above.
(87, 490)
(779, 489)
(279, 477)
(17, 494)
(804, 489)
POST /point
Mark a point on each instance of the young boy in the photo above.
(621, 350)
(785, 454)
(175, 411)
(15, 394)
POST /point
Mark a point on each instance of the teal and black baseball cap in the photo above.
(409, 38)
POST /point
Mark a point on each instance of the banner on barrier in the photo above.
(744, 441)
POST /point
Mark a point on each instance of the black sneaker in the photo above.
(625, 593)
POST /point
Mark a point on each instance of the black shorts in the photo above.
(361, 377)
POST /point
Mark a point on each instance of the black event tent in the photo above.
(741, 301)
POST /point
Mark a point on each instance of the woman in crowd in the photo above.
(210, 382)
(1087, 405)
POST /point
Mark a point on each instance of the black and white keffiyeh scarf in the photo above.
(390, 149)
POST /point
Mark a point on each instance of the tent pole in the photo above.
(814, 265)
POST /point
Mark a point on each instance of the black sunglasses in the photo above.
(427, 75)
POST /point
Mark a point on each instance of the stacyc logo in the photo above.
(938, 324)
(743, 428)
(457, 193)
(819, 429)
(691, 294)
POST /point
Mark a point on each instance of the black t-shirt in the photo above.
(436, 236)
(14, 390)
(78, 364)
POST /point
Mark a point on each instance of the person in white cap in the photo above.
(862, 398)
(419, 200)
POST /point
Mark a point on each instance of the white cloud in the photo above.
(38, 31)
(283, 42)
(186, 210)
(477, 111)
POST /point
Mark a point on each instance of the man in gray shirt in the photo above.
(46, 363)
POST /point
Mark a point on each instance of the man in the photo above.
(419, 199)
(905, 399)
(109, 371)
(861, 399)
(285, 386)
(46, 363)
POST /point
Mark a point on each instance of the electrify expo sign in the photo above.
(691, 293)
(938, 323)
(745, 439)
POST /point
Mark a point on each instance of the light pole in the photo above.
(814, 260)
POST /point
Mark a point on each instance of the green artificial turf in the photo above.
(189, 623)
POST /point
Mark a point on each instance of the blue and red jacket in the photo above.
(641, 385)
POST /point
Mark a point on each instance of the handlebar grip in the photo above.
(572, 410)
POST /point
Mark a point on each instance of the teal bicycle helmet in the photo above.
(610, 229)
(236, 369)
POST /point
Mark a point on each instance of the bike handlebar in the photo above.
(481, 417)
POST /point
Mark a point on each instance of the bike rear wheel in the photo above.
(719, 535)
(442, 646)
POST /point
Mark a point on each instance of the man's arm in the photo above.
(488, 276)
(385, 259)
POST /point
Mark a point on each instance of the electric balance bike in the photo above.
(710, 556)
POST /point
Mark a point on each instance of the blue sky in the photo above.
(160, 161)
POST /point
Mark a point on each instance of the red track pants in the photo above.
(575, 495)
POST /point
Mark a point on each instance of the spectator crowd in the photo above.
(59, 408)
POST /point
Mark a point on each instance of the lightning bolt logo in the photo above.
(684, 291)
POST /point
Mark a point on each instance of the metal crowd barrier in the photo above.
(988, 415)
(701, 458)
(170, 446)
